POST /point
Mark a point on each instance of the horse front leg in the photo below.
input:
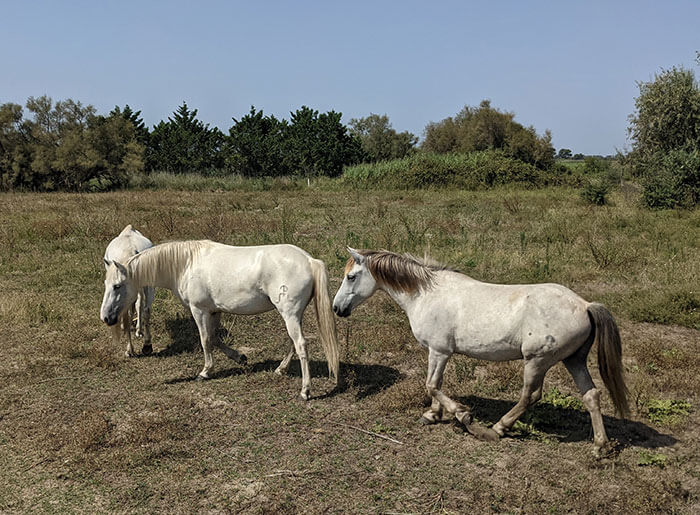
(233, 354)
(436, 368)
(533, 377)
(206, 323)
(125, 324)
(144, 302)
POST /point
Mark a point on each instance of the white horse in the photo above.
(129, 243)
(450, 312)
(212, 278)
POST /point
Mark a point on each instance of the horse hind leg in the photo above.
(293, 323)
(533, 378)
(576, 365)
(284, 364)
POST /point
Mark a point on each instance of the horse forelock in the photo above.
(401, 272)
(164, 261)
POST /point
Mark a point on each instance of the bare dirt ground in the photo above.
(85, 429)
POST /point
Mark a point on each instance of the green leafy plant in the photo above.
(668, 412)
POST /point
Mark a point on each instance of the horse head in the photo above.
(119, 292)
(358, 285)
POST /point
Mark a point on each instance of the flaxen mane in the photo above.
(401, 272)
(164, 260)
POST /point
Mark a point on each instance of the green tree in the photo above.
(134, 117)
(665, 130)
(379, 139)
(487, 128)
(254, 147)
(65, 145)
(15, 153)
(319, 144)
(667, 113)
(184, 144)
(564, 153)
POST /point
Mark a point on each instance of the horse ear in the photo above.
(356, 256)
(120, 267)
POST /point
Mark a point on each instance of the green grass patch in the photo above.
(668, 412)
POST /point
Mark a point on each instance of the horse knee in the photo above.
(591, 399)
(535, 396)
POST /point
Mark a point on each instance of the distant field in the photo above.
(84, 429)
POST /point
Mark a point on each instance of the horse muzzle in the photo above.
(110, 320)
(344, 312)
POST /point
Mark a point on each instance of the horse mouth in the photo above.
(110, 321)
(343, 313)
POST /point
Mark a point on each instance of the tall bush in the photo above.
(665, 130)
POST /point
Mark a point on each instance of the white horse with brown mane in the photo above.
(212, 278)
(450, 312)
(129, 243)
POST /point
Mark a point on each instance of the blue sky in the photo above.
(571, 67)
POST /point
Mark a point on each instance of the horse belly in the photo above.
(241, 301)
(504, 349)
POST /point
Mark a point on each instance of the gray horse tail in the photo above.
(325, 317)
(607, 336)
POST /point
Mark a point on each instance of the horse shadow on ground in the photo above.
(568, 424)
(184, 337)
(367, 380)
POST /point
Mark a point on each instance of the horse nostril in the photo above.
(335, 309)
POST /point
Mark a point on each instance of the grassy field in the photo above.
(85, 429)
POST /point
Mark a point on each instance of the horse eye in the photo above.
(351, 278)
(117, 286)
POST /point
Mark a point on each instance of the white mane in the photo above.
(164, 262)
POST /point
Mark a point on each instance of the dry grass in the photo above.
(83, 429)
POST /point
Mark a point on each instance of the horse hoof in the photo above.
(129, 354)
(201, 378)
(242, 359)
(482, 433)
(304, 396)
(424, 421)
(146, 350)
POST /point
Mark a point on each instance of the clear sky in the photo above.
(571, 67)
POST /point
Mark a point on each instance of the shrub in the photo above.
(672, 180)
(471, 171)
(596, 191)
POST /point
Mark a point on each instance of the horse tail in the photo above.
(325, 317)
(607, 336)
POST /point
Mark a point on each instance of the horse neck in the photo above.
(158, 267)
(405, 300)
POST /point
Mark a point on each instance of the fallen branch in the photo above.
(371, 433)
(293, 473)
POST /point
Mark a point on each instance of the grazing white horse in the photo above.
(129, 243)
(212, 278)
(450, 312)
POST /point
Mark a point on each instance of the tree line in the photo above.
(66, 145)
